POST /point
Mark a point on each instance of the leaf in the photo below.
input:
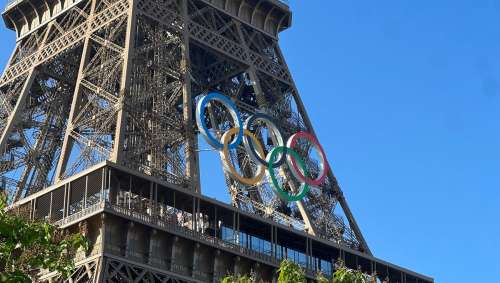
(14, 277)
(3, 200)
(290, 272)
(26, 246)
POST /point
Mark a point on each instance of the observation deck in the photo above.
(133, 217)
(269, 16)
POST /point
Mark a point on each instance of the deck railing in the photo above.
(171, 226)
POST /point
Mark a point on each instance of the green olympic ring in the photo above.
(284, 195)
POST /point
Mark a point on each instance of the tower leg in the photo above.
(17, 110)
(129, 53)
(92, 120)
(76, 102)
(192, 158)
(339, 194)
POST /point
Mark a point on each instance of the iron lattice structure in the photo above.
(97, 135)
(117, 80)
(95, 82)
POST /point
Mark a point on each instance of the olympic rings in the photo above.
(284, 195)
(279, 155)
(276, 136)
(200, 120)
(229, 165)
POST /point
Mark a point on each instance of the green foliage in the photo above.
(345, 275)
(290, 272)
(320, 278)
(27, 246)
(237, 279)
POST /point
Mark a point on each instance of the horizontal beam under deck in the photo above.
(132, 216)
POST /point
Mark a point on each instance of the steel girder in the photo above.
(110, 269)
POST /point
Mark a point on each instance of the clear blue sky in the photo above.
(405, 98)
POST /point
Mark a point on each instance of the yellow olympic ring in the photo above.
(227, 160)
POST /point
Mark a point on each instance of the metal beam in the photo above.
(76, 102)
(191, 151)
(121, 122)
(18, 109)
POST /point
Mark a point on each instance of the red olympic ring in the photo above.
(292, 142)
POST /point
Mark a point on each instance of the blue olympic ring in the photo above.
(202, 104)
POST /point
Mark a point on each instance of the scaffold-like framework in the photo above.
(117, 80)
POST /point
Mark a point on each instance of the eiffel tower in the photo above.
(98, 134)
